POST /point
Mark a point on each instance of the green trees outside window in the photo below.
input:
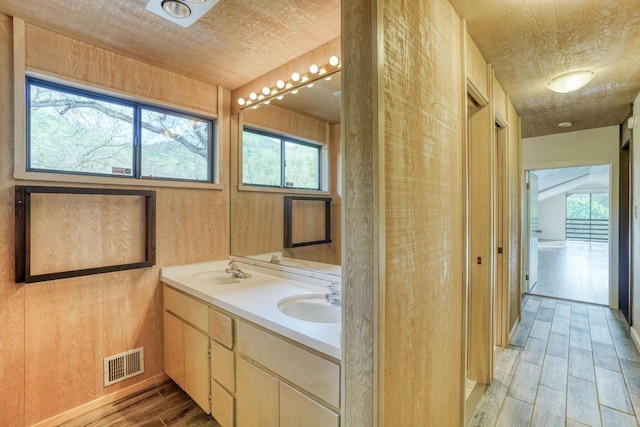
(277, 161)
(80, 132)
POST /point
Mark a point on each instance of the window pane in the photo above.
(578, 206)
(174, 146)
(302, 163)
(260, 159)
(74, 133)
(600, 206)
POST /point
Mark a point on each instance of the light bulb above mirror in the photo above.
(292, 85)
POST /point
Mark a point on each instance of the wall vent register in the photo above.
(124, 365)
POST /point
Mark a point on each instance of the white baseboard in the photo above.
(101, 401)
(513, 329)
(635, 337)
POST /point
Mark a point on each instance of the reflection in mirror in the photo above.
(307, 221)
(257, 212)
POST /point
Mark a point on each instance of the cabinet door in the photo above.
(297, 410)
(196, 366)
(174, 348)
(257, 401)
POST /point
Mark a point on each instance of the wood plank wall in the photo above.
(56, 334)
(421, 330)
(515, 180)
(403, 213)
(404, 263)
(257, 224)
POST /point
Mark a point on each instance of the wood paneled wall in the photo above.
(403, 212)
(515, 203)
(55, 334)
(257, 224)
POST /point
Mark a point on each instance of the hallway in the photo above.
(568, 364)
(573, 270)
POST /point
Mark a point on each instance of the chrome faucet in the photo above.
(335, 294)
(235, 271)
(274, 259)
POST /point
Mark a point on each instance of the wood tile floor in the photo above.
(570, 364)
(573, 270)
(165, 405)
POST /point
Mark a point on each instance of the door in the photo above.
(532, 190)
(624, 236)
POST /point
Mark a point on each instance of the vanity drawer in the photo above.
(187, 308)
(221, 328)
(312, 373)
(222, 405)
(222, 366)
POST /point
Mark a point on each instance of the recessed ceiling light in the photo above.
(570, 81)
(176, 8)
(182, 12)
(565, 124)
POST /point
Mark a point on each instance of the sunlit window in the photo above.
(272, 160)
(75, 131)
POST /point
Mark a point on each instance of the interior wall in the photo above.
(403, 213)
(421, 171)
(257, 225)
(635, 198)
(579, 148)
(56, 333)
(515, 223)
(552, 214)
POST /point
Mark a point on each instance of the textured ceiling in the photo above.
(231, 45)
(526, 41)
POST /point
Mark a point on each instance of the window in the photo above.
(587, 217)
(75, 131)
(272, 160)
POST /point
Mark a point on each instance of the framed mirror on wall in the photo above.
(309, 118)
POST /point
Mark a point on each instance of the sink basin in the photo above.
(311, 308)
(215, 278)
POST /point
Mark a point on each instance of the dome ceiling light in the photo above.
(570, 82)
(181, 12)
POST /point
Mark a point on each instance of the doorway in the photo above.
(569, 233)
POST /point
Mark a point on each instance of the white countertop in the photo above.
(256, 300)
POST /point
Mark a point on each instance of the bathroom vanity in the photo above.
(241, 349)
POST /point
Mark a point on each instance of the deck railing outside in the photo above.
(596, 230)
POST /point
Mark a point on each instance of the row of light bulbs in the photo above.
(291, 86)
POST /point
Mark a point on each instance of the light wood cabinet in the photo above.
(243, 375)
(257, 396)
(294, 397)
(196, 366)
(297, 410)
(174, 348)
(186, 349)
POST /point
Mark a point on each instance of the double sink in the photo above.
(292, 305)
(306, 307)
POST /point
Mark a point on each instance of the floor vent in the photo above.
(124, 365)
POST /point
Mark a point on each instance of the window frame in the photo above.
(24, 170)
(323, 166)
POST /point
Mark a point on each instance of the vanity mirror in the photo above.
(294, 140)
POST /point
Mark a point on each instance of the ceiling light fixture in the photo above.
(181, 12)
(176, 8)
(291, 86)
(570, 81)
